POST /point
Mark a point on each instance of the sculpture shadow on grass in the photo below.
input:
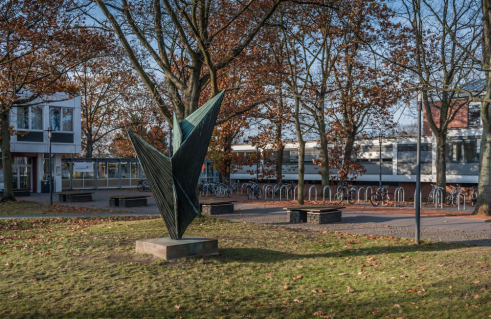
(261, 255)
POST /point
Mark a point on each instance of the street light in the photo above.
(50, 130)
(418, 171)
(380, 159)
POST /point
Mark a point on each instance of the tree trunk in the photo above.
(89, 148)
(8, 192)
(227, 160)
(348, 153)
(483, 205)
(441, 165)
(301, 151)
(279, 164)
(301, 171)
(279, 153)
(324, 161)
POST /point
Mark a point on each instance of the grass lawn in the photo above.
(24, 207)
(86, 268)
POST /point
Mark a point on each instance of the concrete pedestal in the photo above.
(170, 249)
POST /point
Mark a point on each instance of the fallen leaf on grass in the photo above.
(297, 300)
(298, 277)
(321, 315)
(350, 290)
(286, 287)
(177, 307)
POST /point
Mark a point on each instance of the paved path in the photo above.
(437, 228)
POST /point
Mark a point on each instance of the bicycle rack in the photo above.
(265, 187)
(265, 192)
(458, 199)
(324, 193)
(358, 194)
(310, 192)
(398, 196)
(420, 201)
(295, 191)
(286, 188)
(366, 192)
(438, 196)
(242, 188)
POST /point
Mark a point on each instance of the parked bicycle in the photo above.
(346, 192)
(431, 196)
(254, 191)
(474, 196)
(143, 185)
(451, 198)
(382, 196)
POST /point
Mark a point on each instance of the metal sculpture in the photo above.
(173, 180)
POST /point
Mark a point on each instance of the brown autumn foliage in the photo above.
(40, 42)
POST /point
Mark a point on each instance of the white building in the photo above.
(30, 144)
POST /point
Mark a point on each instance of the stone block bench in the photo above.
(20, 192)
(74, 197)
(314, 214)
(128, 201)
(215, 207)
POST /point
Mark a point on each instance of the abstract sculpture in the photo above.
(173, 181)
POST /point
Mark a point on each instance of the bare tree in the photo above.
(183, 42)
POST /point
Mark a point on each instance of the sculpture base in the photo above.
(171, 249)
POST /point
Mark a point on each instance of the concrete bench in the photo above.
(324, 217)
(75, 197)
(318, 214)
(128, 201)
(20, 192)
(211, 208)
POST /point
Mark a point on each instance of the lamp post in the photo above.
(257, 164)
(418, 172)
(50, 130)
(380, 159)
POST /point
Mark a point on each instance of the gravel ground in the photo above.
(443, 228)
(354, 222)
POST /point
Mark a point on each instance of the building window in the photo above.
(474, 114)
(61, 119)
(32, 115)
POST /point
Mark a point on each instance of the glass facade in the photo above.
(61, 119)
(107, 173)
(36, 117)
(23, 118)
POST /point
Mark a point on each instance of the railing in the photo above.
(458, 199)
(436, 198)
(358, 194)
(310, 192)
(324, 193)
(398, 196)
(295, 191)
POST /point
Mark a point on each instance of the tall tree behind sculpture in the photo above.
(173, 180)
(179, 41)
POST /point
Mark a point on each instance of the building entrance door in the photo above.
(22, 173)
